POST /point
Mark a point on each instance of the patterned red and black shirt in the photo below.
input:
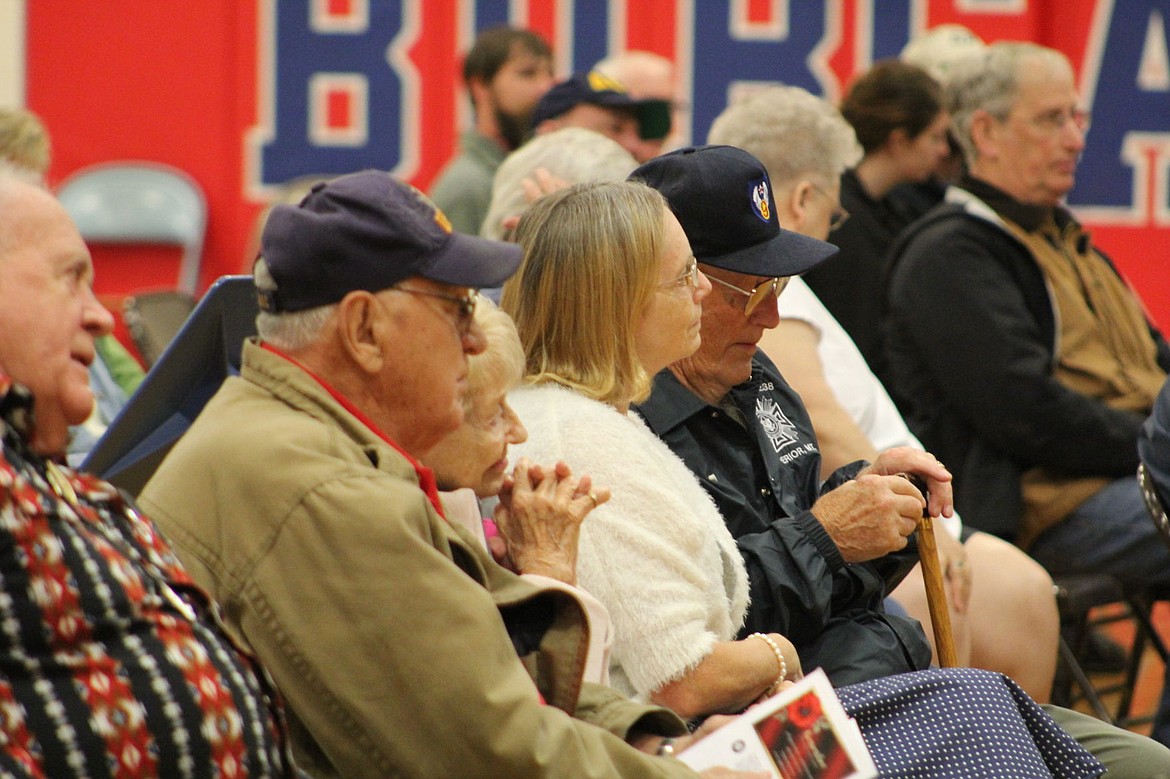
(112, 661)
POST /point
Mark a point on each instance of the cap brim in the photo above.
(470, 261)
(787, 254)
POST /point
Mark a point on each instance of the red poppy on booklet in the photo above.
(800, 733)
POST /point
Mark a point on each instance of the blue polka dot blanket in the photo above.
(962, 723)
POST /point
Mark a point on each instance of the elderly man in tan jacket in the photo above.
(298, 499)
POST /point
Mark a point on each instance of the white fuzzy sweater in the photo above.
(657, 555)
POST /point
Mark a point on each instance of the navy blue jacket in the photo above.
(765, 480)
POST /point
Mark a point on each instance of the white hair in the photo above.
(990, 82)
(793, 132)
(572, 154)
(939, 49)
(289, 331)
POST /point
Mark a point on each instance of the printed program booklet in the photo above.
(800, 733)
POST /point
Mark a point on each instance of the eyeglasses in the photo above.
(839, 214)
(466, 304)
(689, 278)
(757, 294)
(1057, 119)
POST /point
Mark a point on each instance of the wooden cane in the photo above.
(936, 594)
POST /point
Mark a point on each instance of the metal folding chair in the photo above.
(140, 203)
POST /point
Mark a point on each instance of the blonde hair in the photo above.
(502, 362)
(24, 141)
(590, 267)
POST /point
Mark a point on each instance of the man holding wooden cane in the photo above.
(820, 557)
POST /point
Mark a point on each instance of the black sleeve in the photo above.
(960, 316)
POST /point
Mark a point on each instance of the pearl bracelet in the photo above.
(779, 659)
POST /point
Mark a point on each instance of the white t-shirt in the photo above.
(857, 389)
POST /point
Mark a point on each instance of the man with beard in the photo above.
(506, 73)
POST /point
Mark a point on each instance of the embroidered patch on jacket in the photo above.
(779, 428)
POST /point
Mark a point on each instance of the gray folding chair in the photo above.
(140, 203)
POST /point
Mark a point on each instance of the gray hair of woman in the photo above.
(572, 154)
(793, 132)
(990, 81)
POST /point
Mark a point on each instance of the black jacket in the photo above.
(764, 481)
(969, 334)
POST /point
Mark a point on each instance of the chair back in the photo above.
(140, 202)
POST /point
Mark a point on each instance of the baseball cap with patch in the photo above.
(369, 231)
(595, 88)
(723, 199)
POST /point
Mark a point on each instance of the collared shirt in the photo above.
(778, 456)
(112, 662)
(757, 456)
(426, 477)
(1027, 215)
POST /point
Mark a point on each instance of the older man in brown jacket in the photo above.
(297, 498)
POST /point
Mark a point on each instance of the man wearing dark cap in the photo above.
(820, 557)
(298, 498)
(594, 101)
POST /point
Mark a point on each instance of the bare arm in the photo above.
(731, 677)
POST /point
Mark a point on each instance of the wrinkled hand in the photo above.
(870, 516)
(915, 462)
(952, 558)
(539, 518)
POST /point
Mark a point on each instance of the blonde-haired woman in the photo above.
(608, 294)
(634, 308)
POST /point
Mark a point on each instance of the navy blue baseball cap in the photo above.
(596, 88)
(369, 231)
(723, 199)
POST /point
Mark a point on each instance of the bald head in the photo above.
(648, 76)
(49, 316)
(645, 74)
(18, 193)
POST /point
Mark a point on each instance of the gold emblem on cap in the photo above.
(440, 218)
(760, 200)
(599, 82)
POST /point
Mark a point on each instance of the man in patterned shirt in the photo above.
(111, 661)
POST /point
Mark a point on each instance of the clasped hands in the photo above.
(539, 519)
(874, 514)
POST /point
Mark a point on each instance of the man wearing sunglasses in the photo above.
(820, 561)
